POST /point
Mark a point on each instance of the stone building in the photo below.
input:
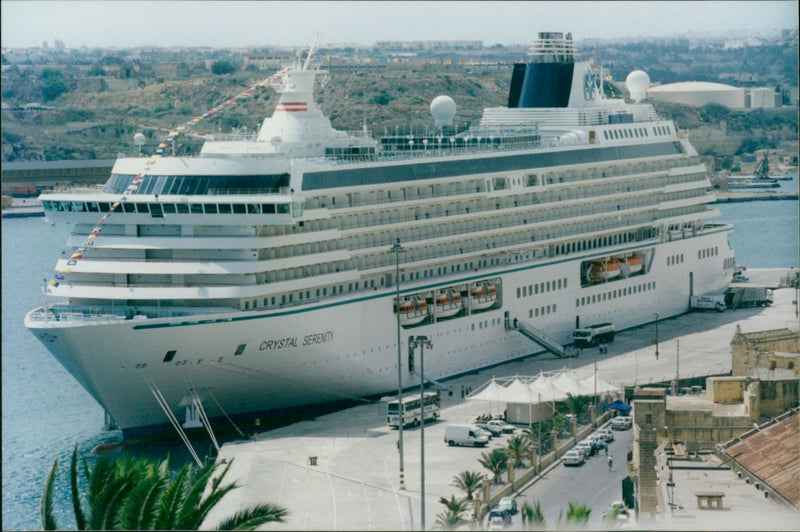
(764, 382)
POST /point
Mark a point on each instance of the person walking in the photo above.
(609, 463)
(605, 449)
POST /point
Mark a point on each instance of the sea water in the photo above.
(46, 412)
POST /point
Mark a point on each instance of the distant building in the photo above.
(428, 46)
(699, 93)
(267, 61)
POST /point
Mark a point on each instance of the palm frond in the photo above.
(48, 519)
(170, 504)
(253, 517)
(80, 518)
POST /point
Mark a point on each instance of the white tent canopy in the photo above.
(542, 388)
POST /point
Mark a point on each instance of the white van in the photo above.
(464, 435)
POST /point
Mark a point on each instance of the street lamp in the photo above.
(656, 339)
(422, 342)
(396, 249)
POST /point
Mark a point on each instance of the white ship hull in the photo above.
(345, 349)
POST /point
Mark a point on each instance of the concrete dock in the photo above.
(341, 471)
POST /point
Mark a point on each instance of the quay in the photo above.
(341, 471)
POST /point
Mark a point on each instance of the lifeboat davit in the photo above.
(448, 304)
(483, 296)
(413, 311)
(603, 271)
(634, 264)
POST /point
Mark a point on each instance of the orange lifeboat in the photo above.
(483, 296)
(603, 271)
(448, 303)
(412, 310)
(634, 264)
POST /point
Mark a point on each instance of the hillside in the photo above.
(97, 116)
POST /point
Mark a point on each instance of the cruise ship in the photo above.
(264, 273)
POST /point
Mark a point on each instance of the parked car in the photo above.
(496, 523)
(496, 431)
(573, 457)
(502, 425)
(484, 432)
(585, 447)
(598, 443)
(605, 434)
(621, 423)
(507, 504)
(617, 513)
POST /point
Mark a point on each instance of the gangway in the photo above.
(539, 336)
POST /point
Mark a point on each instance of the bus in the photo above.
(411, 410)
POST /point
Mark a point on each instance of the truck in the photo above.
(593, 335)
(748, 296)
(710, 302)
(464, 435)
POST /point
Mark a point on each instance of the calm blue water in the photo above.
(45, 412)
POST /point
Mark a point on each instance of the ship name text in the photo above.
(294, 341)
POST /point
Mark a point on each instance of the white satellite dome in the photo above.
(638, 82)
(138, 139)
(443, 109)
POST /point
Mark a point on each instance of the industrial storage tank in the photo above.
(699, 93)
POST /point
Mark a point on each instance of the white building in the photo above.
(699, 93)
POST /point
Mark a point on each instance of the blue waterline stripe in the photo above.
(484, 276)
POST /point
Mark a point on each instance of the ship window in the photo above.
(605, 134)
(548, 286)
(169, 208)
(182, 208)
(268, 208)
(196, 208)
(283, 208)
(252, 208)
(211, 208)
(78, 206)
(239, 208)
(224, 208)
(518, 293)
(240, 348)
(128, 207)
(536, 312)
(155, 210)
(577, 302)
(92, 207)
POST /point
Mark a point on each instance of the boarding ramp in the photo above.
(539, 336)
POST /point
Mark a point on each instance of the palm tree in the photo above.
(468, 482)
(577, 404)
(532, 515)
(496, 462)
(577, 514)
(452, 517)
(449, 520)
(518, 447)
(140, 494)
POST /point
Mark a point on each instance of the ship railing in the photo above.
(235, 136)
(246, 191)
(115, 313)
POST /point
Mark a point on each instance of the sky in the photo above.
(295, 23)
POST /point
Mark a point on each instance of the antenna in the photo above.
(311, 51)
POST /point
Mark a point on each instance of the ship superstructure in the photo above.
(258, 275)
